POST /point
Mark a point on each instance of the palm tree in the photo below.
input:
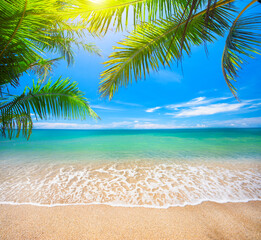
(29, 29)
(165, 30)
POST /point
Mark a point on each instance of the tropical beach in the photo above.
(124, 119)
(132, 184)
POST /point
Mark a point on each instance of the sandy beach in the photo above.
(208, 220)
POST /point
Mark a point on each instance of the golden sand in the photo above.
(205, 221)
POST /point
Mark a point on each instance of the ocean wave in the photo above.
(129, 184)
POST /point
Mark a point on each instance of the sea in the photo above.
(131, 168)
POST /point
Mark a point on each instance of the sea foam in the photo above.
(155, 185)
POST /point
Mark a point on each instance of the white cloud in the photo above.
(201, 106)
(150, 110)
(201, 126)
(128, 104)
(149, 125)
(196, 102)
(193, 102)
(113, 125)
(239, 122)
(139, 119)
(57, 125)
(209, 109)
(255, 105)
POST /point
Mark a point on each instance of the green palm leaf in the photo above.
(59, 99)
(14, 125)
(160, 43)
(43, 67)
(117, 13)
(243, 40)
(31, 28)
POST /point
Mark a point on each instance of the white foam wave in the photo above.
(129, 185)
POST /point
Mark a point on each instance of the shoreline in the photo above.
(208, 220)
(125, 206)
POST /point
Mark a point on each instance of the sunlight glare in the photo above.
(97, 1)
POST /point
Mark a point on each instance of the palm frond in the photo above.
(243, 40)
(12, 127)
(31, 28)
(160, 43)
(43, 67)
(117, 13)
(59, 99)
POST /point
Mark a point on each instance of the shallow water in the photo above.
(150, 168)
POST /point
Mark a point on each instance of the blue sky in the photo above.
(171, 98)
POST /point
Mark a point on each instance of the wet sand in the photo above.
(205, 221)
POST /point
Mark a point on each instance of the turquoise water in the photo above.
(125, 145)
(151, 168)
